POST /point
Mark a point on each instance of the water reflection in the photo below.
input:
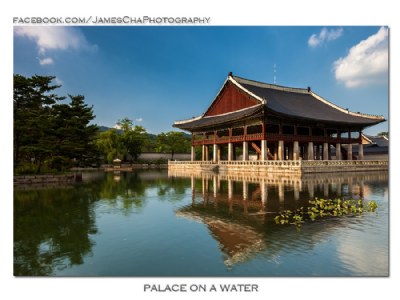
(239, 210)
(55, 228)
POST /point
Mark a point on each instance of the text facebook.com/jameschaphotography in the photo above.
(111, 20)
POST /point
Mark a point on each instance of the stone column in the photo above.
(281, 151)
(192, 154)
(349, 152)
(245, 151)
(203, 152)
(206, 153)
(338, 151)
(264, 150)
(215, 153)
(360, 151)
(326, 151)
(296, 150)
(275, 151)
(310, 151)
(230, 152)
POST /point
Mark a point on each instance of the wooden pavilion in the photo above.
(277, 122)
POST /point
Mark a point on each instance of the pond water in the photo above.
(151, 223)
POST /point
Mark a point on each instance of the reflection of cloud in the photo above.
(362, 252)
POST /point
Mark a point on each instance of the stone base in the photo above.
(281, 167)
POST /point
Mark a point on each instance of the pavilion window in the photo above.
(238, 131)
(254, 129)
(272, 128)
(332, 133)
(288, 129)
(344, 134)
(223, 133)
(317, 132)
(209, 135)
(355, 134)
(303, 131)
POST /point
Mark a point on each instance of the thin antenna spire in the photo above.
(274, 73)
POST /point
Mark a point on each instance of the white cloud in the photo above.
(46, 61)
(58, 81)
(324, 36)
(54, 38)
(139, 119)
(366, 63)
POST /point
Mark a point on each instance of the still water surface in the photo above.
(151, 223)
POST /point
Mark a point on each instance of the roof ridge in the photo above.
(272, 86)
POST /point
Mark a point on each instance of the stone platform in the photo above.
(279, 167)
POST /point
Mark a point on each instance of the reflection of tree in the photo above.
(124, 190)
(175, 189)
(51, 229)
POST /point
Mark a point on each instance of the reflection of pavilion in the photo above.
(238, 210)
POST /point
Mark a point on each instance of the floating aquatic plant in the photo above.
(320, 208)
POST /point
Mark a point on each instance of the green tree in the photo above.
(33, 130)
(75, 135)
(110, 145)
(133, 141)
(47, 132)
(173, 142)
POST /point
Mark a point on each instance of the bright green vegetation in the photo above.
(52, 136)
(321, 208)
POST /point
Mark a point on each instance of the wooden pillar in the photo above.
(360, 151)
(281, 150)
(264, 150)
(203, 152)
(326, 151)
(230, 151)
(245, 151)
(192, 154)
(349, 152)
(296, 152)
(338, 151)
(310, 151)
(206, 153)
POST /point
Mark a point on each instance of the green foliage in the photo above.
(173, 142)
(114, 144)
(320, 208)
(46, 131)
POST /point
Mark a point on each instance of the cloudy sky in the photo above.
(156, 75)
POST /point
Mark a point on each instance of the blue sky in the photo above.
(156, 75)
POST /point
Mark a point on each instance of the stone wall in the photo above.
(47, 179)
